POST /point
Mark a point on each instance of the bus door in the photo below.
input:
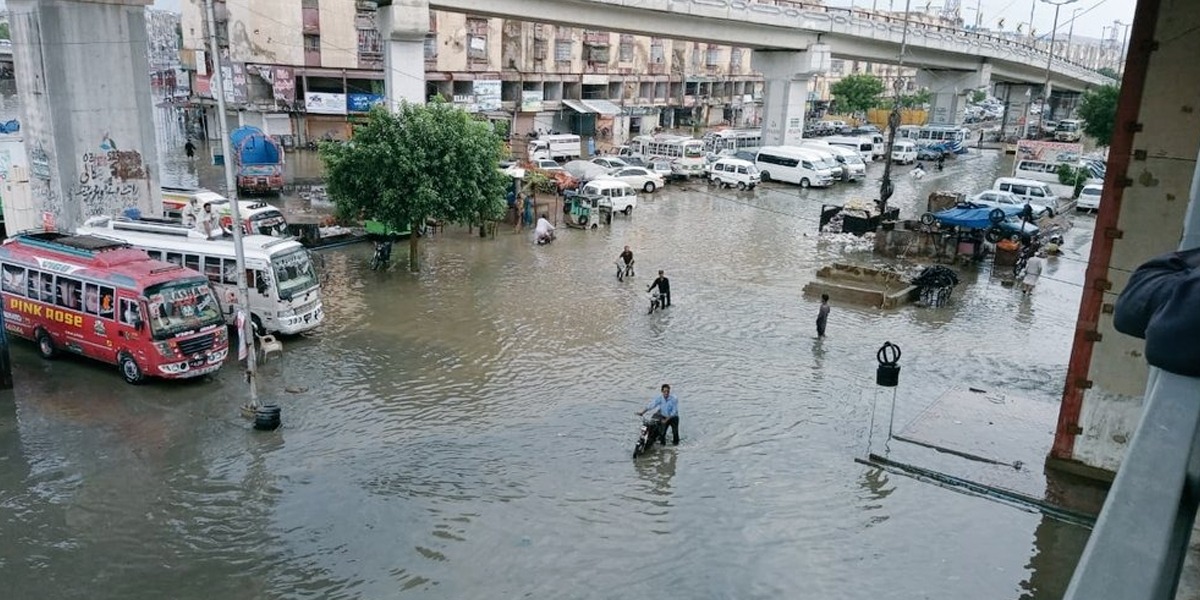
(132, 327)
(261, 291)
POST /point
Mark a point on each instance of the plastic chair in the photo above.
(268, 345)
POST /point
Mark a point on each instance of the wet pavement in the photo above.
(466, 432)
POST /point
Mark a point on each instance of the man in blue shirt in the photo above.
(667, 407)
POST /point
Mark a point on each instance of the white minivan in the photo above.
(853, 167)
(904, 152)
(826, 158)
(734, 172)
(863, 146)
(621, 194)
(1034, 192)
(792, 165)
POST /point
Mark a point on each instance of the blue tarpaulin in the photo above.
(253, 147)
(971, 216)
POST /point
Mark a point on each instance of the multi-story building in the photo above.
(307, 69)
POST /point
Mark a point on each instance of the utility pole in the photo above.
(1124, 41)
(1032, 5)
(978, 13)
(1071, 31)
(245, 330)
(1049, 61)
(886, 189)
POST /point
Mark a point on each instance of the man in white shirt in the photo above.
(209, 222)
(544, 232)
(1033, 270)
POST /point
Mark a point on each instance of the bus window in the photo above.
(129, 312)
(229, 271)
(155, 254)
(47, 286)
(68, 292)
(33, 278)
(212, 268)
(107, 300)
(192, 261)
(14, 280)
(175, 258)
(91, 298)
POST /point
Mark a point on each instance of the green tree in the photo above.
(921, 98)
(423, 162)
(1098, 109)
(978, 96)
(857, 93)
(1108, 72)
(4, 35)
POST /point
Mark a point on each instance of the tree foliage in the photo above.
(857, 93)
(4, 34)
(978, 96)
(1108, 72)
(1098, 109)
(423, 162)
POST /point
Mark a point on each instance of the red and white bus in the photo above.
(106, 300)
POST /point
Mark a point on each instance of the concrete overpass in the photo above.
(792, 42)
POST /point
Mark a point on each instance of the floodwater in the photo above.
(466, 432)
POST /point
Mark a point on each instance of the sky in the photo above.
(1090, 15)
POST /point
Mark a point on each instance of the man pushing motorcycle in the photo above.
(665, 408)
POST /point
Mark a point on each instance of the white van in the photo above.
(826, 158)
(559, 146)
(1068, 130)
(622, 195)
(1034, 192)
(853, 167)
(732, 172)
(904, 152)
(863, 146)
(792, 165)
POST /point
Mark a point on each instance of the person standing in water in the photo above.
(823, 315)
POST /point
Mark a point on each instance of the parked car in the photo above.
(636, 161)
(904, 152)
(546, 164)
(610, 162)
(1028, 190)
(1007, 199)
(639, 178)
(1089, 197)
(928, 153)
(734, 172)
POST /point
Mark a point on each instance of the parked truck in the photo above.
(258, 160)
(560, 147)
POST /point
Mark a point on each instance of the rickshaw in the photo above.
(586, 212)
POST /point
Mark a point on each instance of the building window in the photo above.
(735, 60)
(477, 39)
(837, 67)
(562, 33)
(539, 49)
(656, 51)
(312, 50)
(714, 55)
(562, 50)
(696, 56)
(626, 49)
(431, 47)
(310, 4)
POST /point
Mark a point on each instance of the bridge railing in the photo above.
(958, 31)
(1137, 548)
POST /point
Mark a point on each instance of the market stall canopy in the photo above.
(582, 169)
(974, 217)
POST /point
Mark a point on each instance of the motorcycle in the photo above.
(545, 240)
(653, 429)
(624, 270)
(656, 301)
(383, 255)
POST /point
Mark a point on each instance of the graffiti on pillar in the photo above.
(111, 180)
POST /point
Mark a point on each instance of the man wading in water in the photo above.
(823, 315)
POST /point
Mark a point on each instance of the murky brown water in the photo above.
(466, 432)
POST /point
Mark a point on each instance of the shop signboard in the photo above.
(531, 101)
(361, 103)
(487, 95)
(322, 103)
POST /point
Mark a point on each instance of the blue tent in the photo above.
(973, 217)
(254, 147)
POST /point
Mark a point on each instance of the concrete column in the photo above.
(786, 76)
(81, 68)
(1017, 97)
(1150, 178)
(950, 91)
(404, 25)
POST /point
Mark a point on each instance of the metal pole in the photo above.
(886, 189)
(1032, 5)
(978, 13)
(1071, 31)
(1124, 41)
(247, 331)
(1049, 61)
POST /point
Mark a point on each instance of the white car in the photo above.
(610, 162)
(1089, 197)
(546, 164)
(638, 178)
(1002, 199)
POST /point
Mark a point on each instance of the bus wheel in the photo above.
(130, 369)
(45, 344)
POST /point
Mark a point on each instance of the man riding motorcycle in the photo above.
(666, 408)
(544, 232)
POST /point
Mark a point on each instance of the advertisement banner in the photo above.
(487, 95)
(204, 86)
(531, 101)
(361, 103)
(283, 85)
(1051, 152)
(325, 104)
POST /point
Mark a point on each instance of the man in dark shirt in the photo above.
(627, 258)
(823, 315)
(1159, 305)
(664, 287)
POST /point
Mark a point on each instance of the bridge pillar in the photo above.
(403, 24)
(86, 109)
(950, 90)
(1017, 98)
(1152, 173)
(786, 76)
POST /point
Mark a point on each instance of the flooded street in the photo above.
(466, 432)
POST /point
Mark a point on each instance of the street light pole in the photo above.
(1049, 61)
(245, 331)
(1032, 5)
(1071, 31)
(1124, 41)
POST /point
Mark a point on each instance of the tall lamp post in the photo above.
(1124, 41)
(1071, 31)
(1049, 60)
(886, 189)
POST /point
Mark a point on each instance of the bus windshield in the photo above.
(293, 273)
(693, 150)
(178, 306)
